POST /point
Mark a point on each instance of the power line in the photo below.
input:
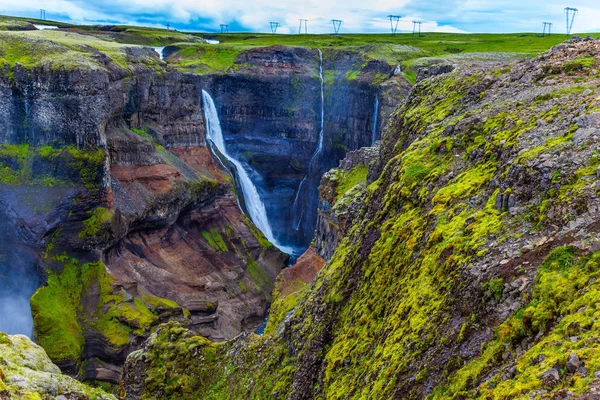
(394, 19)
(274, 26)
(570, 13)
(549, 26)
(337, 23)
(305, 22)
(224, 28)
(415, 25)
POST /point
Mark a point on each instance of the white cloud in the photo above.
(358, 15)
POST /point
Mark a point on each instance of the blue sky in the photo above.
(358, 15)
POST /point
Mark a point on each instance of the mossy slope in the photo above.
(445, 264)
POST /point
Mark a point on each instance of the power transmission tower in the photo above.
(337, 23)
(42, 14)
(274, 26)
(168, 26)
(305, 22)
(570, 13)
(549, 26)
(224, 28)
(415, 25)
(394, 19)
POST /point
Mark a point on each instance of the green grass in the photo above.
(402, 48)
(67, 47)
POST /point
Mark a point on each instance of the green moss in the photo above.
(96, 223)
(466, 184)
(565, 286)
(282, 305)
(258, 235)
(494, 288)
(346, 180)
(259, 276)
(79, 167)
(578, 64)
(55, 308)
(158, 303)
(561, 92)
(141, 133)
(62, 312)
(352, 74)
(215, 240)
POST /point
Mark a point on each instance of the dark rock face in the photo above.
(75, 107)
(270, 112)
(174, 237)
(335, 216)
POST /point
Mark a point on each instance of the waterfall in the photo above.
(375, 120)
(254, 204)
(159, 50)
(318, 150)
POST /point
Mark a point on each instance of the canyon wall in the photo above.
(270, 111)
(120, 217)
(469, 268)
(116, 206)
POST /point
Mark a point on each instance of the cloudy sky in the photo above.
(358, 15)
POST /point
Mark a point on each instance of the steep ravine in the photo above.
(466, 262)
(117, 208)
(270, 111)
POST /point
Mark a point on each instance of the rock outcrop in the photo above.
(470, 268)
(26, 372)
(340, 193)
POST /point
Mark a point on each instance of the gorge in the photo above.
(417, 222)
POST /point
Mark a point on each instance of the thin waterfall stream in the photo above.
(318, 150)
(375, 120)
(255, 206)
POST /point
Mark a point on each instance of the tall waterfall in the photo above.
(375, 120)
(254, 204)
(318, 150)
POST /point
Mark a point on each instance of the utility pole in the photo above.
(394, 19)
(274, 26)
(415, 25)
(224, 28)
(549, 26)
(305, 22)
(42, 14)
(337, 23)
(570, 13)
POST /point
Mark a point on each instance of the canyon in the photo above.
(127, 205)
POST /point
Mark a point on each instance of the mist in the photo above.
(18, 279)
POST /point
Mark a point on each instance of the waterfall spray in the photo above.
(254, 204)
(318, 150)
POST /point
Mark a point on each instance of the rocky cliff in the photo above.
(269, 104)
(28, 373)
(469, 269)
(113, 201)
(117, 216)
